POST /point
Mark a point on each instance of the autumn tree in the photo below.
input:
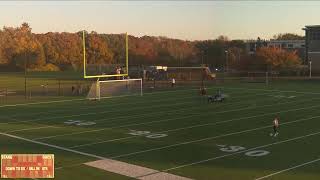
(97, 50)
(277, 58)
(21, 47)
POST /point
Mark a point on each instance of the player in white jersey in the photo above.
(173, 82)
(275, 127)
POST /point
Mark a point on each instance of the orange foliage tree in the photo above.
(277, 58)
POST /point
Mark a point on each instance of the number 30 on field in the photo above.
(146, 134)
(253, 153)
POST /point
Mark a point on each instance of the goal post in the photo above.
(115, 88)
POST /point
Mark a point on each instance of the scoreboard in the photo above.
(27, 166)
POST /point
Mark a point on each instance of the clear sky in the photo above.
(192, 20)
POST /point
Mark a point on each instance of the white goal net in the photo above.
(112, 88)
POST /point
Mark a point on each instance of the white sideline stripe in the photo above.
(103, 105)
(165, 120)
(126, 138)
(201, 125)
(92, 113)
(27, 129)
(114, 119)
(94, 107)
(240, 152)
(36, 103)
(214, 137)
(116, 104)
(210, 138)
(53, 146)
(135, 116)
(81, 99)
(86, 108)
(288, 169)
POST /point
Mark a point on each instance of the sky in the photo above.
(187, 20)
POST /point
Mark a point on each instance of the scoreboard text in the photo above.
(27, 166)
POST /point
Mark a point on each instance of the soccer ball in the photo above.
(271, 134)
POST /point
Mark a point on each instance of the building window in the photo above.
(315, 35)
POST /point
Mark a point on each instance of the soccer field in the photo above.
(177, 132)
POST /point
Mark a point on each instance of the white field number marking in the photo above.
(232, 149)
(79, 123)
(147, 134)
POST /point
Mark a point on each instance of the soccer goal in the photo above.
(115, 88)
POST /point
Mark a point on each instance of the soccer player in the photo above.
(275, 126)
(173, 82)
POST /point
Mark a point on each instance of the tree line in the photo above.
(20, 48)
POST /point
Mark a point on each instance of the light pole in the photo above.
(226, 69)
(310, 68)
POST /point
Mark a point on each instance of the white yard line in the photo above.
(288, 169)
(81, 99)
(160, 92)
(181, 110)
(201, 125)
(210, 138)
(46, 102)
(219, 157)
(95, 113)
(52, 146)
(165, 120)
(97, 107)
(196, 126)
(138, 115)
(28, 129)
(122, 117)
(240, 152)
